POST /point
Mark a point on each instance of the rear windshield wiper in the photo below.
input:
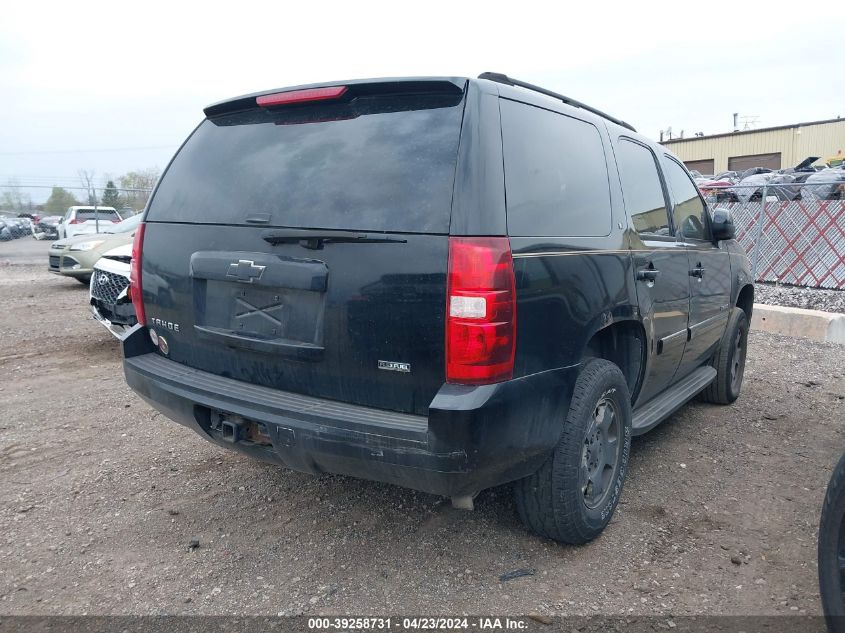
(315, 239)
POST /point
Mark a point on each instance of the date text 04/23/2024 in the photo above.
(417, 623)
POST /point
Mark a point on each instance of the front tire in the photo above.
(729, 361)
(832, 550)
(571, 498)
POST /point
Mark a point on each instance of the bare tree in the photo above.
(12, 198)
(137, 186)
(86, 177)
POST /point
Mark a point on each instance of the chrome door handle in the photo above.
(647, 274)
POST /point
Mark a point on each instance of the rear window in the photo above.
(556, 179)
(379, 163)
(102, 214)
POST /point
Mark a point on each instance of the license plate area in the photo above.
(265, 313)
(260, 302)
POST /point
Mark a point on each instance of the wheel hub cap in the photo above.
(600, 456)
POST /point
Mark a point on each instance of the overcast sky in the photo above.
(112, 87)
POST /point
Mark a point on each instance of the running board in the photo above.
(658, 409)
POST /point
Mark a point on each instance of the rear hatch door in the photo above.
(305, 247)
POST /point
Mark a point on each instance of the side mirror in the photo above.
(723, 225)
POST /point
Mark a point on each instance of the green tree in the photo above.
(110, 196)
(58, 202)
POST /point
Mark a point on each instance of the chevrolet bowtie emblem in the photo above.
(245, 271)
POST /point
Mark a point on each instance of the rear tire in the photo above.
(571, 498)
(729, 361)
(831, 546)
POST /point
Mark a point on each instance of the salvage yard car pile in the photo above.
(12, 227)
(804, 181)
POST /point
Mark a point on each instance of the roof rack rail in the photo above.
(504, 79)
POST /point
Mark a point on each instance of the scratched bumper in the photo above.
(473, 437)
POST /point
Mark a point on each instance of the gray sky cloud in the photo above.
(115, 86)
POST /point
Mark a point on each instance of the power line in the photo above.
(25, 186)
(14, 181)
(88, 151)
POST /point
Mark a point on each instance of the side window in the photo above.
(689, 213)
(641, 188)
(556, 179)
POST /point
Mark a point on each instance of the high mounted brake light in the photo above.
(300, 96)
(480, 311)
(135, 292)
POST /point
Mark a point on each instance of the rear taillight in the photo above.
(75, 221)
(480, 311)
(135, 292)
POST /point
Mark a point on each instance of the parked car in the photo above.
(827, 184)
(75, 256)
(733, 176)
(108, 291)
(5, 231)
(718, 189)
(81, 220)
(46, 228)
(369, 303)
(831, 549)
(751, 187)
(15, 226)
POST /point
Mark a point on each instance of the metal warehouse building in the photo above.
(774, 147)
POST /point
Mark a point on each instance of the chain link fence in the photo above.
(793, 234)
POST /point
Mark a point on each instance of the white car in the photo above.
(109, 291)
(87, 220)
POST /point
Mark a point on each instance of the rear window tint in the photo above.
(556, 179)
(86, 215)
(383, 163)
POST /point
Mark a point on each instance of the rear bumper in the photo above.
(473, 437)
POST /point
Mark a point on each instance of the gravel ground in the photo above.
(798, 297)
(107, 507)
(24, 250)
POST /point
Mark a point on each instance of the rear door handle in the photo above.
(698, 271)
(647, 274)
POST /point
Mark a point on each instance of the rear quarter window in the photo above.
(556, 179)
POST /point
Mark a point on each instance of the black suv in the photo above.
(443, 283)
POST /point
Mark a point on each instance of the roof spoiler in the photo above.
(504, 79)
(355, 88)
